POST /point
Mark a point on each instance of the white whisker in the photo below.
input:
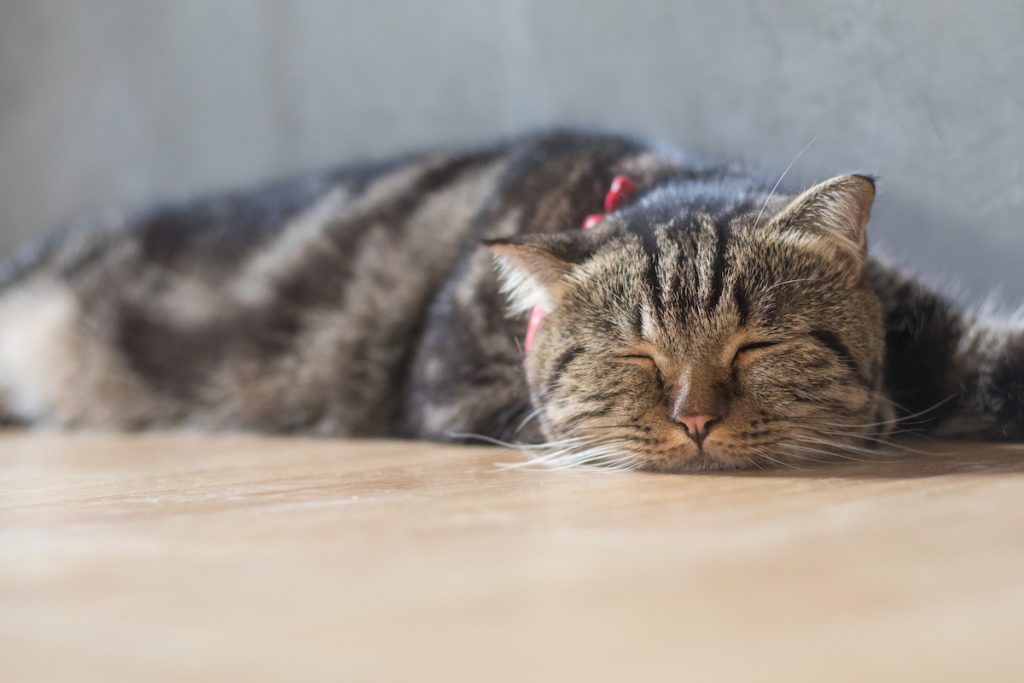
(779, 181)
(790, 282)
(837, 450)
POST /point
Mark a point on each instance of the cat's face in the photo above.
(681, 339)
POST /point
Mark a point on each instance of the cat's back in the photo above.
(291, 306)
(128, 318)
(410, 202)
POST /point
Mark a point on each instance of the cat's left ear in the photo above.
(837, 211)
(534, 268)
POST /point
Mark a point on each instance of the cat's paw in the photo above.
(1006, 389)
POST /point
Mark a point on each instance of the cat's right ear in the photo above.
(835, 211)
(534, 268)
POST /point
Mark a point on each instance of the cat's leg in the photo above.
(466, 377)
(37, 317)
(58, 369)
(463, 391)
(947, 368)
(61, 357)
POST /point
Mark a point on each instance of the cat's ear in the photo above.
(534, 268)
(837, 211)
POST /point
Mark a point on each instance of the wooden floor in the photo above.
(239, 558)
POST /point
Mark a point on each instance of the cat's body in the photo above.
(360, 302)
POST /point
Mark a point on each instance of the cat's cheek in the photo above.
(755, 386)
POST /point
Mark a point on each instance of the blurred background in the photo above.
(112, 102)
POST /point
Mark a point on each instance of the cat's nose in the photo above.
(697, 426)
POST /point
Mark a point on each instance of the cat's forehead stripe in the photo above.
(718, 269)
(742, 303)
(652, 254)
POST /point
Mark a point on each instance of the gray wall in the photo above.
(111, 101)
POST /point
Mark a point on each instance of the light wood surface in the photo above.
(187, 558)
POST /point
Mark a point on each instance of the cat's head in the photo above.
(693, 331)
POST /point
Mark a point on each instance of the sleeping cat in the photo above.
(707, 321)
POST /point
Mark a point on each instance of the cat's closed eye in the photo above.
(639, 359)
(746, 350)
(643, 360)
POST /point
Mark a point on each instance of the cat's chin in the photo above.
(689, 458)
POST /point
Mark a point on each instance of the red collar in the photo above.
(622, 188)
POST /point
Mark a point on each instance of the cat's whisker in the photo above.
(894, 421)
(554, 452)
(775, 187)
(788, 448)
(905, 419)
(833, 453)
(884, 442)
(559, 457)
(775, 461)
(816, 438)
(865, 430)
(596, 460)
(790, 282)
(607, 454)
(753, 462)
(844, 451)
(509, 444)
(532, 415)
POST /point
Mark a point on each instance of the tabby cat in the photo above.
(706, 322)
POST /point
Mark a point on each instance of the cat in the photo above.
(708, 321)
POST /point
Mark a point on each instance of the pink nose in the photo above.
(697, 426)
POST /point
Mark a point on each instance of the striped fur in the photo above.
(361, 302)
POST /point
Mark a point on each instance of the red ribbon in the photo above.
(622, 188)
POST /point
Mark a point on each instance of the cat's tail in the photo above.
(949, 369)
(991, 360)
